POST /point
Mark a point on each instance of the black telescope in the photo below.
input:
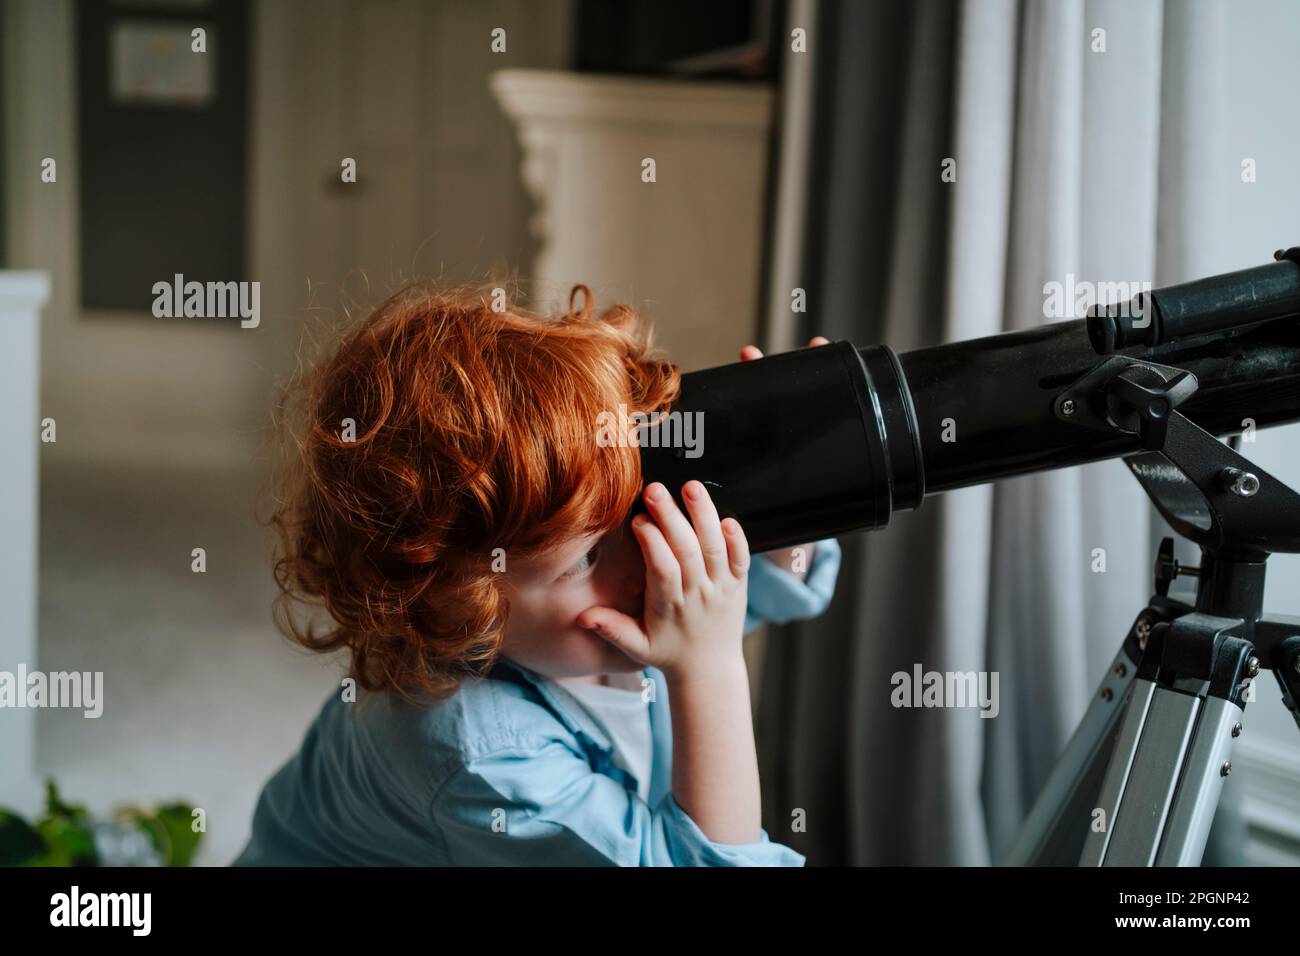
(832, 439)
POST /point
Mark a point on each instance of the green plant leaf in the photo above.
(177, 819)
(70, 841)
(55, 807)
(20, 843)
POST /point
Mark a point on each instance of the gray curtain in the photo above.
(1068, 161)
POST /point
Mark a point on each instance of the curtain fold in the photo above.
(1062, 159)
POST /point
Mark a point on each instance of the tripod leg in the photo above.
(1142, 778)
(1053, 834)
(1201, 784)
(1164, 780)
(1120, 763)
(1165, 776)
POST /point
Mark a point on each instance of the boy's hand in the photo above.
(696, 580)
(751, 352)
(784, 558)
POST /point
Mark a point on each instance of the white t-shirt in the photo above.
(618, 708)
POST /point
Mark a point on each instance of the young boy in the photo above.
(542, 680)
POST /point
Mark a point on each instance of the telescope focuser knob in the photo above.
(1144, 407)
(1168, 568)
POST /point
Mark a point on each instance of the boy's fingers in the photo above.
(663, 575)
(677, 531)
(704, 517)
(737, 547)
(751, 352)
(620, 630)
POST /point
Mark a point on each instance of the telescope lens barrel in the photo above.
(796, 446)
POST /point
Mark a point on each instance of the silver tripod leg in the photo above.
(1164, 779)
(1052, 834)
(1140, 780)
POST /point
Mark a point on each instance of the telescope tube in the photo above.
(999, 391)
(823, 441)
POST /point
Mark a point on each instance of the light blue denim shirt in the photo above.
(508, 771)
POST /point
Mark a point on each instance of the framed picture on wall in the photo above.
(163, 123)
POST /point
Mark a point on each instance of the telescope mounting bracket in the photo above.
(1207, 492)
(1236, 511)
(1186, 671)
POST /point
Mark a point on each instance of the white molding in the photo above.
(717, 108)
(684, 248)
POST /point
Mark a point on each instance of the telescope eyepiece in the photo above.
(1203, 307)
(1120, 325)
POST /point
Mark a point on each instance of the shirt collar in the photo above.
(563, 704)
(589, 735)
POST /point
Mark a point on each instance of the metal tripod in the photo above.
(1140, 779)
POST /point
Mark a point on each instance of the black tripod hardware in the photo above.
(1234, 510)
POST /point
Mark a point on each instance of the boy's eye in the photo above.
(585, 564)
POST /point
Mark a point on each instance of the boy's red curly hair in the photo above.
(474, 430)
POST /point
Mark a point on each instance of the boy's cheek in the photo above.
(570, 652)
(584, 652)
